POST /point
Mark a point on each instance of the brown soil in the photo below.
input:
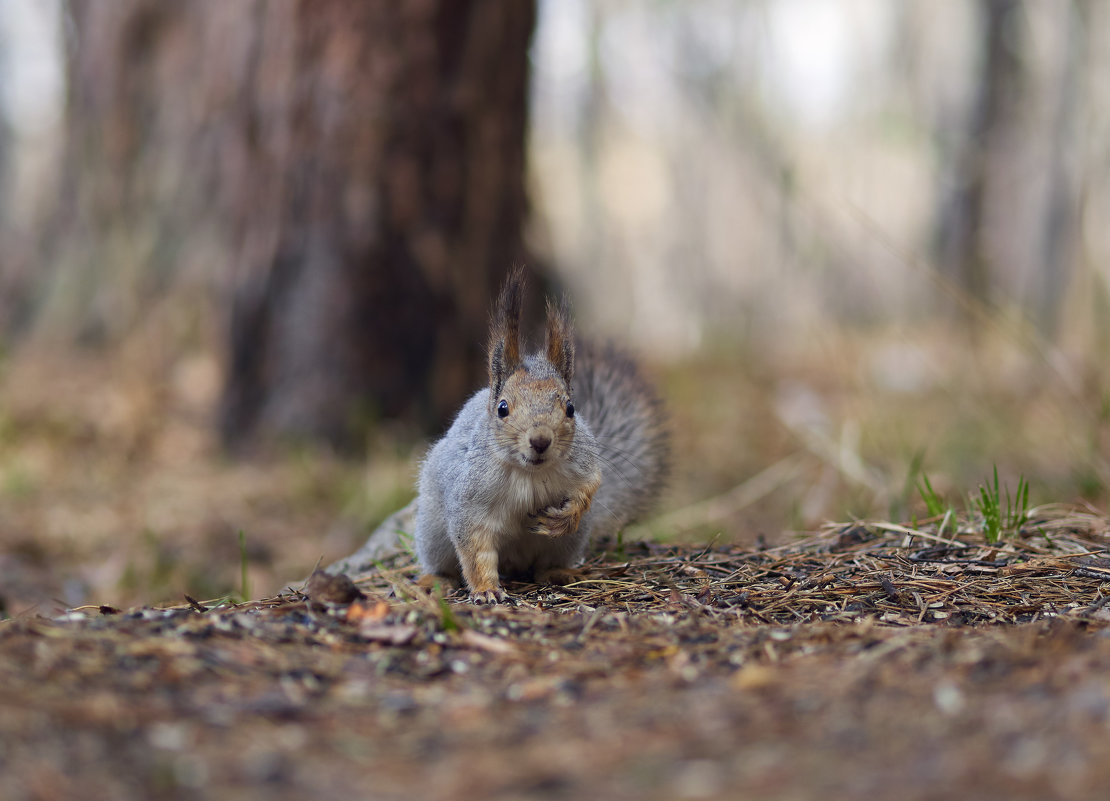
(867, 662)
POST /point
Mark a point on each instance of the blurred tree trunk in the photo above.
(1061, 235)
(12, 278)
(388, 161)
(962, 239)
(140, 184)
(348, 177)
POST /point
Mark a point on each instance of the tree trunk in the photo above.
(387, 201)
(963, 252)
(1060, 237)
(150, 114)
(346, 178)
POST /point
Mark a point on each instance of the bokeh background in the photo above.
(246, 253)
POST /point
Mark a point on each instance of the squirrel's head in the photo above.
(531, 408)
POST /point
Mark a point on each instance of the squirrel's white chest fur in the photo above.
(522, 492)
(528, 490)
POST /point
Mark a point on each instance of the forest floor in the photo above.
(867, 660)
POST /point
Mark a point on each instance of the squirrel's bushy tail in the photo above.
(627, 419)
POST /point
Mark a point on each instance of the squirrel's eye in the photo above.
(570, 409)
(503, 408)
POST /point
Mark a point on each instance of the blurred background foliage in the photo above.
(247, 251)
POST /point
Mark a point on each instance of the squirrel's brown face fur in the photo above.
(534, 419)
(530, 402)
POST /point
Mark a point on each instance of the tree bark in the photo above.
(963, 251)
(1060, 237)
(388, 157)
(346, 179)
(153, 117)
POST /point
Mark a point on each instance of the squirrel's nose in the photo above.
(539, 442)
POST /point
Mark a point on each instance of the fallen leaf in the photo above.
(362, 611)
(337, 590)
(391, 635)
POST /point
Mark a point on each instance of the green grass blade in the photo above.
(934, 504)
(447, 618)
(990, 508)
(1002, 516)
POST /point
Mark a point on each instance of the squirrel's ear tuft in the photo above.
(504, 335)
(560, 339)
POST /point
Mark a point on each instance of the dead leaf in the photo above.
(361, 611)
(337, 590)
(399, 634)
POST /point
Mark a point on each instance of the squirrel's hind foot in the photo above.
(445, 585)
(431, 582)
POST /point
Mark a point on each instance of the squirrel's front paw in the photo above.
(556, 521)
(494, 596)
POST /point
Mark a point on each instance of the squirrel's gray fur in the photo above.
(522, 490)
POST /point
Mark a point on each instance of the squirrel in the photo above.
(563, 445)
